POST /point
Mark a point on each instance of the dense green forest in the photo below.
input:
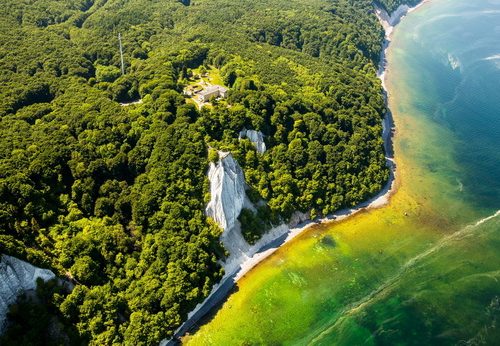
(112, 197)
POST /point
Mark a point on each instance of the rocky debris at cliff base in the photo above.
(16, 277)
(298, 218)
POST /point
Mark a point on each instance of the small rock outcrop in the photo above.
(257, 139)
(227, 190)
(297, 218)
(16, 277)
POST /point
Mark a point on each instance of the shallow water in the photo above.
(426, 268)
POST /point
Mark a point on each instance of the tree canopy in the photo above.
(391, 5)
(112, 197)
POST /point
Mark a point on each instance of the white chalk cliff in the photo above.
(227, 191)
(228, 198)
(390, 21)
(17, 276)
(257, 139)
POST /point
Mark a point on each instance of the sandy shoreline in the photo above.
(270, 244)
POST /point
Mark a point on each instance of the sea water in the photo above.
(425, 269)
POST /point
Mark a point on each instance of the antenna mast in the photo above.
(121, 53)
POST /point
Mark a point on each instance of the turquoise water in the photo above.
(448, 54)
(457, 48)
(425, 269)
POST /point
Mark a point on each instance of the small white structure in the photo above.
(213, 91)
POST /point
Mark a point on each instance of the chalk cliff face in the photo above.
(17, 276)
(228, 198)
(227, 190)
(389, 21)
(257, 138)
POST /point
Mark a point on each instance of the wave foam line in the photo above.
(493, 57)
(386, 286)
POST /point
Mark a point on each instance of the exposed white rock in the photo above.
(390, 21)
(228, 197)
(257, 139)
(227, 191)
(17, 276)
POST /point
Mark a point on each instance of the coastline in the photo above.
(383, 197)
(281, 235)
(389, 22)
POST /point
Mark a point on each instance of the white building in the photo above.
(213, 91)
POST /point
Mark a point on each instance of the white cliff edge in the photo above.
(257, 139)
(228, 197)
(227, 191)
(390, 21)
(16, 277)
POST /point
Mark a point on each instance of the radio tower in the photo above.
(121, 53)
